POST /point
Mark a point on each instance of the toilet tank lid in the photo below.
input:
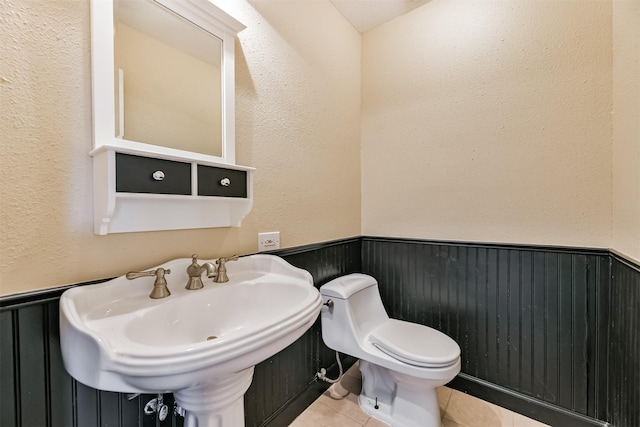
(345, 286)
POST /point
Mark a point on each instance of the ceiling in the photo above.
(367, 14)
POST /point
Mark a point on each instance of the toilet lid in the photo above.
(415, 344)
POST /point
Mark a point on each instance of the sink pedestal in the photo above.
(216, 402)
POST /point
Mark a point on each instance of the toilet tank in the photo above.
(357, 309)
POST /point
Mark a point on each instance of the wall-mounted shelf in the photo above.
(136, 191)
(166, 176)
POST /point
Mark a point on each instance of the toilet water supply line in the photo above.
(323, 372)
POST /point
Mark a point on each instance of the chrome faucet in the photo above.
(160, 289)
(195, 271)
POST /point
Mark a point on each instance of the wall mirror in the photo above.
(168, 84)
(163, 78)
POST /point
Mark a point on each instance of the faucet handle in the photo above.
(222, 277)
(222, 260)
(160, 289)
(136, 274)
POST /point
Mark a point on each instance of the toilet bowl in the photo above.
(401, 362)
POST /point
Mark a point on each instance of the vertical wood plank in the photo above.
(514, 303)
(86, 406)
(492, 287)
(61, 383)
(109, 404)
(470, 357)
(129, 415)
(539, 324)
(9, 405)
(482, 315)
(552, 307)
(469, 352)
(527, 322)
(31, 369)
(624, 347)
(503, 322)
(565, 344)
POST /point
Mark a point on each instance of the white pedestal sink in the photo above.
(201, 345)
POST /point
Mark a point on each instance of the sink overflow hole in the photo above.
(211, 337)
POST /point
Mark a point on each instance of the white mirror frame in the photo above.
(203, 14)
(122, 212)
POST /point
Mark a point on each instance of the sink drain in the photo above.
(211, 337)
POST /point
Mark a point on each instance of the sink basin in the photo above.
(200, 345)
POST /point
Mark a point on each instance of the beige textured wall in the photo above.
(626, 128)
(481, 120)
(297, 115)
(489, 121)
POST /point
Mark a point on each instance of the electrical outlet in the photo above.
(268, 241)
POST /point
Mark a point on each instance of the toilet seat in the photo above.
(415, 344)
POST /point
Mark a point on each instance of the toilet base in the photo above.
(397, 399)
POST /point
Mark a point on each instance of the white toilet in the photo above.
(401, 363)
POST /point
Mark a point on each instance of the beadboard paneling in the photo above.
(539, 327)
(36, 390)
(624, 344)
(532, 320)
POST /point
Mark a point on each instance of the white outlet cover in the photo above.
(268, 241)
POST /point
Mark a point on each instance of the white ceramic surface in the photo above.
(398, 387)
(114, 337)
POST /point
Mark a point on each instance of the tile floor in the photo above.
(338, 407)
